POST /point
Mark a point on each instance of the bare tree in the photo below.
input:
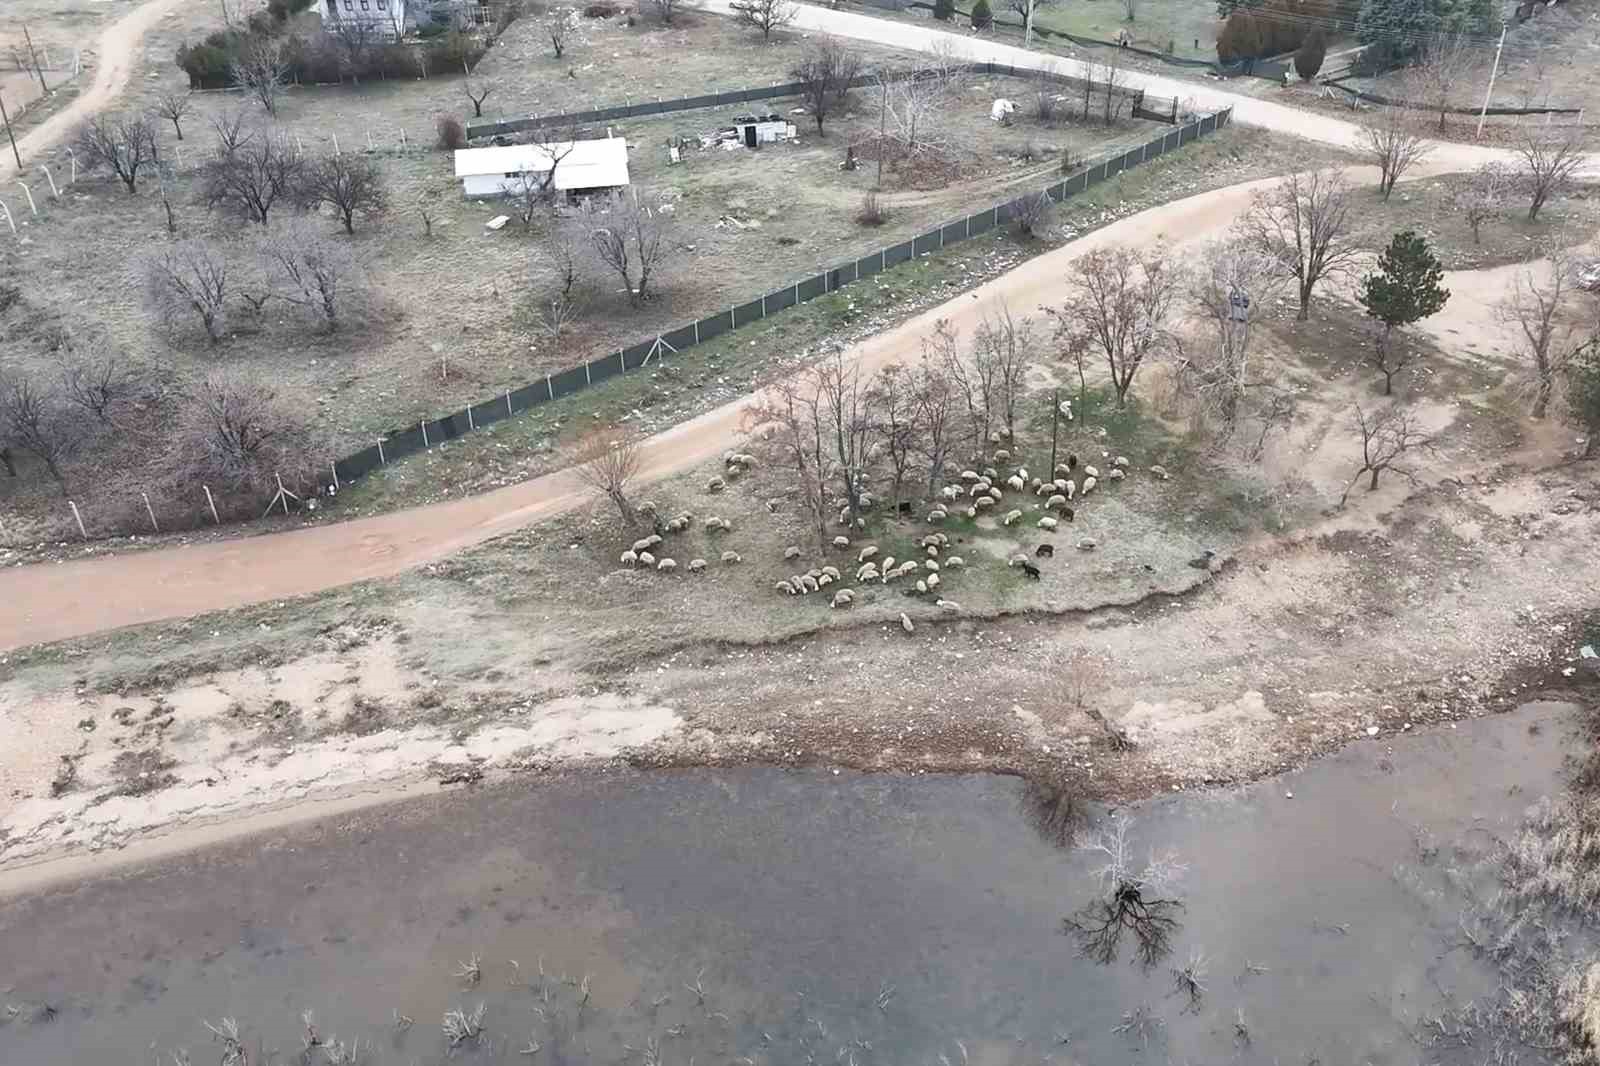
(893, 404)
(1024, 10)
(1549, 160)
(789, 427)
(233, 130)
(1445, 65)
(1132, 899)
(914, 106)
(234, 434)
(189, 277)
(555, 314)
(1032, 213)
(665, 9)
(125, 143)
(354, 39)
(263, 70)
(1480, 196)
(607, 463)
(970, 381)
(478, 92)
(629, 237)
(936, 413)
(1122, 300)
(1113, 79)
(850, 426)
(1232, 278)
(1303, 224)
(1007, 346)
(1387, 436)
(1387, 139)
(347, 182)
(313, 272)
(556, 29)
(1535, 307)
(254, 177)
(36, 421)
(173, 106)
(824, 73)
(562, 254)
(763, 15)
(98, 383)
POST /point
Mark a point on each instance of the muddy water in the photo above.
(826, 918)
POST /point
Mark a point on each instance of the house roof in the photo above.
(593, 164)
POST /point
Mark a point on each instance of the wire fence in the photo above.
(657, 349)
(1355, 95)
(503, 127)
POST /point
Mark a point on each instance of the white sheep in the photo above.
(933, 581)
(978, 488)
(808, 583)
(905, 623)
(955, 562)
(1017, 559)
(947, 605)
(732, 557)
(1011, 518)
(1071, 489)
(1047, 523)
(1017, 483)
(865, 500)
(791, 552)
(1088, 484)
(932, 550)
(931, 565)
(647, 543)
(1116, 473)
(716, 484)
(841, 542)
(972, 512)
(1121, 460)
(867, 573)
(696, 565)
(996, 495)
(824, 581)
(646, 559)
(1063, 470)
(1022, 472)
(1001, 455)
(843, 598)
(950, 492)
(907, 567)
(667, 565)
(922, 587)
(832, 572)
(1055, 501)
(983, 502)
(1034, 484)
(630, 557)
(1160, 471)
(887, 564)
(969, 476)
(1090, 471)
(1087, 544)
(995, 437)
(938, 514)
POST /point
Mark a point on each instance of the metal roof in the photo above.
(594, 164)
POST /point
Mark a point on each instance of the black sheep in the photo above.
(1067, 513)
(1045, 551)
(1072, 461)
(1031, 570)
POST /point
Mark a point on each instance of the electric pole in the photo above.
(1493, 71)
(7, 120)
(883, 120)
(37, 69)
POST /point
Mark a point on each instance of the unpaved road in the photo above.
(116, 50)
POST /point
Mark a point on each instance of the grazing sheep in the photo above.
(983, 502)
(1044, 488)
(932, 550)
(646, 559)
(718, 525)
(867, 573)
(1062, 470)
(922, 587)
(630, 557)
(1029, 569)
(843, 598)
(808, 583)
(783, 586)
(1072, 489)
(990, 473)
(1160, 471)
(667, 565)
(996, 437)
(938, 514)
(1016, 559)
(824, 581)
(1011, 517)
(1091, 471)
(1035, 484)
(647, 543)
(947, 605)
(745, 459)
(955, 562)
(865, 500)
(1001, 455)
(950, 468)
(931, 565)
(996, 495)
(696, 565)
(969, 476)
(1116, 473)
(1121, 460)
(887, 564)
(841, 542)
(905, 623)
(1022, 472)
(679, 524)
(942, 539)
(933, 581)
(907, 567)
(791, 552)
(1055, 501)
(1072, 462)
(866, 553)
(1065, 407)
(978, 488)
(715, 485)
(1087, 544)
(832, 572)
(732, 557)
(1047, 524)
(1088, 484)
(647, 509)
(972, 512)
(1045, 551)
(950, 492)
(844, 516)
(1017, 484)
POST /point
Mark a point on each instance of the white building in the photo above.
(580, 166)
(387, 17)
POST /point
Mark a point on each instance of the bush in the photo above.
(944, 10)
(599, 11)
(982, 16)
(451, 133)
(1308, 60)
(1033, 214)
(1240, 37)
(874, 212)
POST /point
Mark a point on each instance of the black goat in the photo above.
(1031, 570)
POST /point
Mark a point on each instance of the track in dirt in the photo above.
(60, 601)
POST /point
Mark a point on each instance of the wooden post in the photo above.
(151, 511)
(335, 468)
(7, 120)
(212, 503)
(471, 425)
(283, 493)
(37, 69)
(81, 531)
(424, 425)
(1055, 419)
(509, 412)
(382, 461)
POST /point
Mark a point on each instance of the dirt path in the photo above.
(116, 51)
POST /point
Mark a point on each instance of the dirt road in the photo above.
(116, 50)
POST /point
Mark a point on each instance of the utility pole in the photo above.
(37, 69)
(7, 120)
(1027, 27)
(1055, 418)
(1492, 73)
(883, 126)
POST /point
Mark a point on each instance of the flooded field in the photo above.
(772, 917)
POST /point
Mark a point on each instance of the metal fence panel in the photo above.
(1113, 166)
(633, 358)
(777, 301)
(868, 266)
(843, 275)
(449, 427)
(568, 381)
(680, 338)
(745, 314)
(1133, 158)
(982, 222)
(897, 254)
(714, 326)
(406, 442)
(529, 396)
(1077, 183)
(488, 412)
(609, 367)
(928, 242)
(813, 287)
(360, 464)
(954, 232)
(1187, 134)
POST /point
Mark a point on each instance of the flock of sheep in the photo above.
(982, 490)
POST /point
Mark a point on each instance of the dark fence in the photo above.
(1412, 105)
(554, 386)
(773, 92)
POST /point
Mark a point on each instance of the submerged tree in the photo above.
(1133, 901)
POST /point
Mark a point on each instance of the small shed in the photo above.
(580, 166)
(763, 129)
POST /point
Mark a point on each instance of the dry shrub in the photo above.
(1033, 214)
(874, 212)
(452, 135)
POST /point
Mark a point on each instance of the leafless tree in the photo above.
(1089, 69)
(1024, 10)
(1303, 224)
(556, 29)
(1387, 139)
(189, 277)
(607, 462)
(824, 73)
(788, 424)
(354, 39)
(35, 420)
(263, 70)
(1480, 196)
(236, 435)
(893, 403)
(763, 15)
(1008, 346)
(254, 177)
(1445, 66)
(98, 383)
(937, 413)
(555, 313)
(173, 106)
(850, 426)
(233, 130)
(313, 272)
(124, 143)
(1113, 79)
(1231, 282)
(1387, 436)
(1122, 300)
(477, 92)
(425, 212)
(665, 9)
(970, 381)
(913, 107)
(1032, 213)
(347, 182)
(1549, 160)
(1538, 307)
(629, 237)
(562, 255)
(1132, 899)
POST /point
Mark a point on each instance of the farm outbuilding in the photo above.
(580, 166)
(763, 129)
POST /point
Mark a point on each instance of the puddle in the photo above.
(764, 917)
